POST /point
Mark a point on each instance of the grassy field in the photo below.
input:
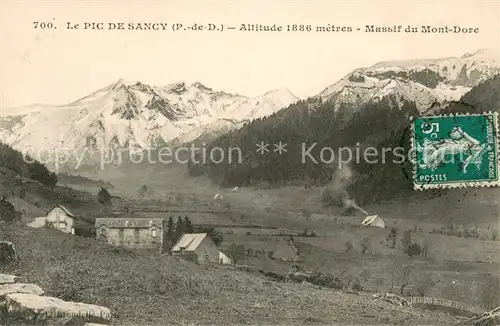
(144, 289)
(456, 268)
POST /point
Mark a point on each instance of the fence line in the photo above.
(447, 303)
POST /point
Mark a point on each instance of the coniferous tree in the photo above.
(104, 197)
(188, 227)
(170, 228)
(381, 124)
(168, 234)
(180, 228)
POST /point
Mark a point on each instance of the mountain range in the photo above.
(136, 116)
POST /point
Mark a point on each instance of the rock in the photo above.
(20, 288)
(7, 251)
(32, 309)
(7, 279)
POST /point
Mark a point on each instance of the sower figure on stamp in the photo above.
(434, 152)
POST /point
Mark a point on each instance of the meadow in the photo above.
(147, 289)
(457, 268)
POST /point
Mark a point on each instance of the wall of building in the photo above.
(207, 251)
(224, 259)
(60, 220)
(132, 238)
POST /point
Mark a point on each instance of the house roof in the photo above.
(373, 219)
(64, 209)
(189, 242)
(129, 222)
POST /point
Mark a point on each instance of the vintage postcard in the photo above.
(249, 162)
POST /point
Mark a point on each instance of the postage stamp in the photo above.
(455, 151)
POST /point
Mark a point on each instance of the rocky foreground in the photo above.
(22, 303)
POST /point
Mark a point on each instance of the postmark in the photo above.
(455, 151)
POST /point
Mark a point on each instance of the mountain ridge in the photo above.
(132, 115)
(135, 115)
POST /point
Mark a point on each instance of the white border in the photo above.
(465, 184)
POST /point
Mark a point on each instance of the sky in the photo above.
(57, 66)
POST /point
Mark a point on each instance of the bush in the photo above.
(357, 286)
(236, 252)
(414, 250)
(365, 244)
(7, 212)
(326, 280)
(494, 235)
(348, 246)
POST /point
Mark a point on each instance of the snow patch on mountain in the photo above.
(425, 81)
(134, 116)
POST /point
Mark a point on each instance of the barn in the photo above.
(198, 247)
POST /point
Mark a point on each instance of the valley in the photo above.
(277, 216)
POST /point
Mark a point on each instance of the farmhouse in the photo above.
(62, 219)
(373, 220)
(131, 232)
(200, 248)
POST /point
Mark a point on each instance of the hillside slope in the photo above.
(32, 189)
(141, 289)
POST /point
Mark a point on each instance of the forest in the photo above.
(25, 166)
(381, 124)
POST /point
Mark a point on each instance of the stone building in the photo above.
(131, 232)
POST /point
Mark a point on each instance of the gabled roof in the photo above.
(373, 220)
(129, 222)
(64, 209)
(189, 242)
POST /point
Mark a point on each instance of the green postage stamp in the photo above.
(455, 151)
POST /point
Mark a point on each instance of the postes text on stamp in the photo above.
(452, 151)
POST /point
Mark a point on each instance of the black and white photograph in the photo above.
(249, 162)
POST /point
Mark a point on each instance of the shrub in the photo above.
(326, 280)
(348, 246)
(365, 244)
(357, 286)
(7, 212)
(406, 241)
(414, 250)
(494, 235)
(236, 252)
